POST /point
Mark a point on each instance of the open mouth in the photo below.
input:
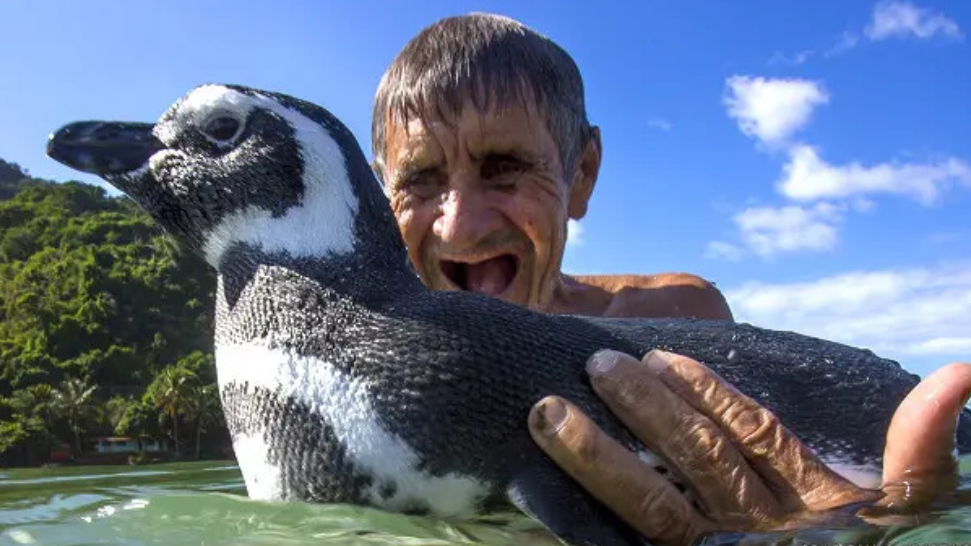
(492, 277)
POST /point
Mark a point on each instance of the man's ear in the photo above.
(585, 175)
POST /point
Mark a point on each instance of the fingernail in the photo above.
(657, 360)
(602, 362)
(550, 416)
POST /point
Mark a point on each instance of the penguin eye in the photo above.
(221, 128)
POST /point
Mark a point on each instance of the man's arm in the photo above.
(663, 295)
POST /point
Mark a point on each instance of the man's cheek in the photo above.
(409, 224)
(550, 242)
(540, 231)
(543, 238)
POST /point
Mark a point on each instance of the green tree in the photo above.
(31, 421)
(72, 401)
(172, 392)
(12, 434)
(141, 418)
(91, 288)
(114, 411)
(205, 410)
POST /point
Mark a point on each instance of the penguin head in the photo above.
(228, 165)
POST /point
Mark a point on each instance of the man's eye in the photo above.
(422, 184)
(498, 166)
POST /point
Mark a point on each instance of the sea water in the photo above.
(204, 504)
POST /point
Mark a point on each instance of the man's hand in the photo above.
(749, 471)
(919, 453)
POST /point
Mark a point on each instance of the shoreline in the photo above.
(120, 459)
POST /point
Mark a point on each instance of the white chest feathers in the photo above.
(345, 404)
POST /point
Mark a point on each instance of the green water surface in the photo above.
(204, 503)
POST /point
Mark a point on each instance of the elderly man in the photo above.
(481, 138)
(480, 134)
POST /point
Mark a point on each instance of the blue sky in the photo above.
(812, 158)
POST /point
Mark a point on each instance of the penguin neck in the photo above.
(367, 278)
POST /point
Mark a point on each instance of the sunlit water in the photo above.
(204, 503)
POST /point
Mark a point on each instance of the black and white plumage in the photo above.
(343, 379)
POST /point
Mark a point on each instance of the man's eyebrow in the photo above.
(515, 146)
(410, 166)
(509, 150)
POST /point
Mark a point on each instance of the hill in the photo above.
(105, 324)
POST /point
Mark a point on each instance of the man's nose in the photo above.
(466, 218)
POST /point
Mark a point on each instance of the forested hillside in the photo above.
(105, 325)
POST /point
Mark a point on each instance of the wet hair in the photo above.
(492, 60)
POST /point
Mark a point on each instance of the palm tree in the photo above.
(204, 410)
(172, 392)
(72, 401)
(112, 413)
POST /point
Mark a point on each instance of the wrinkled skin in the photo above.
(486, 191)
(750, 472)
(482, 201)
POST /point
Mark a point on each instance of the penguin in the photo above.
(344, 379)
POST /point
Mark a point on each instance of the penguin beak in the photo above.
(103, 148)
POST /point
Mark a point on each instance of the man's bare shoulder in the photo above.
(661, 295)
(615, 283)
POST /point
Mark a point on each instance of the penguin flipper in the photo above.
(549, 495)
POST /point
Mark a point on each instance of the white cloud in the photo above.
(943, 345)
(895, 19)
(660, 123)
(901, 19)
(772, 109)
(574, 233)
(863, 205)
(796, 58)
(807, 177)
(846, 42)
(721, 249)
(768, 230)
(897, 313)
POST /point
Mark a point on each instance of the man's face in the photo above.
(482, 202)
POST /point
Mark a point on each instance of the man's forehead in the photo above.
(406, 140)
(518, 122)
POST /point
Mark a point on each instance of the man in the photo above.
(480, 136)
(483, 201)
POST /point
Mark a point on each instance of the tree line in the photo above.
(105, 325)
